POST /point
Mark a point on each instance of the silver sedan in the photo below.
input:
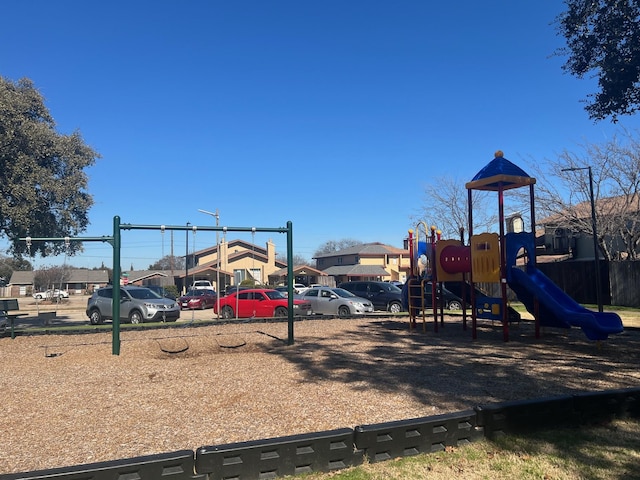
(336, 301)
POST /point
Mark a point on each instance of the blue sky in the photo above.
(334, 114)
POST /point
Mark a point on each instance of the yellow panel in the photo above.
(485, 257)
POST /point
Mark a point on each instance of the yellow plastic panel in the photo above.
(485, 257)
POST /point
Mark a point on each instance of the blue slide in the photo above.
(557, 309)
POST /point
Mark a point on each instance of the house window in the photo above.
(239, 275)
(256, 274)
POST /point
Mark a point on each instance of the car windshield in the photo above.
(143, 293)
(342, 292)
(274, 295)
(391, 288)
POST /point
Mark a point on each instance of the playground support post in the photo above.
(115, 332)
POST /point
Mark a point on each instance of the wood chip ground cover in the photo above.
(67, 400)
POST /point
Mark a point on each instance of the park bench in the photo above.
(7, 306)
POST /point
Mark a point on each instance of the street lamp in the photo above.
(595, 234)
(217, 215)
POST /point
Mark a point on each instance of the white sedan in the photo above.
(336, 301)
(51, 294)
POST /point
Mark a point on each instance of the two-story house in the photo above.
(236, 261)
(368, 261)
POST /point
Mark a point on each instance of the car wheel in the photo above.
(395, 307)
(344, 311)
(203, 305)
(227, 312)
(135, 317)
(94, 317)
(455, 305)
(280, 312)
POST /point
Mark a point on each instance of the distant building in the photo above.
(367, 261)
(76, 281)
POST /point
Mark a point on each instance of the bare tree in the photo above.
(446, 207)
(168, 262)
(332, 246)
(50, 277)
(615, 169)
(297, 259)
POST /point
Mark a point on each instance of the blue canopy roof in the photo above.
(500, 173)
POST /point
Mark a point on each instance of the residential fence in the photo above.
(341, 448)
(620, 281)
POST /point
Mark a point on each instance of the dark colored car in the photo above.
(383, 295)
(232, 289)
(451, 300)
(198, 299)
(444, 297)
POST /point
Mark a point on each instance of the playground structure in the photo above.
(116, 241)
(492, 258)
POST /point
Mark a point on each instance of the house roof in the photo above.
(299, 270)
(21, 278)
(498, 174)
(76, 275)
(605, 206)
(357, 271)
(231, 244)
(367, 249)
(137, 275)
(199, 269)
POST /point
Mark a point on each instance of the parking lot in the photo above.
(71, 311)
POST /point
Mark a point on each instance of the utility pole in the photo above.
(596, 253)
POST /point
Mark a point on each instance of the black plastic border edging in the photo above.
(421, 435)
(275, 457)
(549, 413)
(177, 465)
(337, 449)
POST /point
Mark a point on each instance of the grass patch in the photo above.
(610, 451)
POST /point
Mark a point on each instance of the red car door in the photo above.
(263, 305)
(245, 304)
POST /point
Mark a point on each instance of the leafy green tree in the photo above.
(43, 185)
(603, 40)
(8, 265)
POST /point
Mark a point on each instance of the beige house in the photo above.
(368, 261)
(239, 260)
